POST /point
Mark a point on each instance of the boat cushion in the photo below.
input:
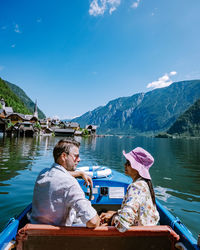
(107, 238)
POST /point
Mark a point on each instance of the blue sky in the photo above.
(75, 55)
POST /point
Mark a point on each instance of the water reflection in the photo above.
(177, 163)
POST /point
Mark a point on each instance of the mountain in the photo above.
(149, 112)
(188, 124)
(16, 98)
(25, 99)
(11, 99)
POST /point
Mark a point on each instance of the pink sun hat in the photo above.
(140, 160)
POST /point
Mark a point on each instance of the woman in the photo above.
(138, 207)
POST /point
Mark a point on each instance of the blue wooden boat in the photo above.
(107, 194)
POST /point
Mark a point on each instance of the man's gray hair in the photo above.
(64, 145)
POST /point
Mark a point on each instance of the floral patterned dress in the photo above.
(137, 207)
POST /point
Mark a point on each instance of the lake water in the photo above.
(175, 173)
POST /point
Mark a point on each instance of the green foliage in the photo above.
(61, 125)
(9, 124)
(0, 106)
(11, 99)
(85, 132)
(37, 125)
(25, 99)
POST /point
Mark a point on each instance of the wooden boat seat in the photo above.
(41, 237)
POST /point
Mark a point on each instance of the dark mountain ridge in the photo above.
(188, 124)
(149, 112)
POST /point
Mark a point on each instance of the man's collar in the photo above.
(56, 165)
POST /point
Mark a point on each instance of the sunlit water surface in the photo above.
(175, 173)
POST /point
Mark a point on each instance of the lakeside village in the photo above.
(16, 124)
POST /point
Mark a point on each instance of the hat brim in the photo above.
(143, 172)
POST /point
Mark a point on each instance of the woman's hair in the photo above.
(151, 189)
(64, 145)
(149, 183)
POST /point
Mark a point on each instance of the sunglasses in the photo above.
(74, 157)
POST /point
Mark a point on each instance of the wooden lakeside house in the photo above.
(45, 126)
(44, 123)
(30, 118)
(54, 122)
(2, 114)
(91, 129)
(73, 125)
(22, 129)
(16, 118)
(22, 125)
(5, 111)
(8, 110)
(26, 129)
(62, 124)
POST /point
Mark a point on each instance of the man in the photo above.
(58, 198)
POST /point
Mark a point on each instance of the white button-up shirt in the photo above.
(58, 199)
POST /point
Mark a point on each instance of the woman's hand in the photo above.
(107, 217)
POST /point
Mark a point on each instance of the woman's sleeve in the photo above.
(129, 210)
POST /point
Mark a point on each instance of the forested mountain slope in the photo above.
(11, 99)
(188, 124)
(25, 99)
(147, 113)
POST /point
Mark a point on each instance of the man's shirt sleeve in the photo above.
(75, 198)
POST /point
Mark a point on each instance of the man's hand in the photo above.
(84, 176)
(87, 179)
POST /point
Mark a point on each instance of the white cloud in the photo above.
(173, 73)
(135, 4)
(111, 10)
(163, 81)
(16, 28)
(98, 7)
